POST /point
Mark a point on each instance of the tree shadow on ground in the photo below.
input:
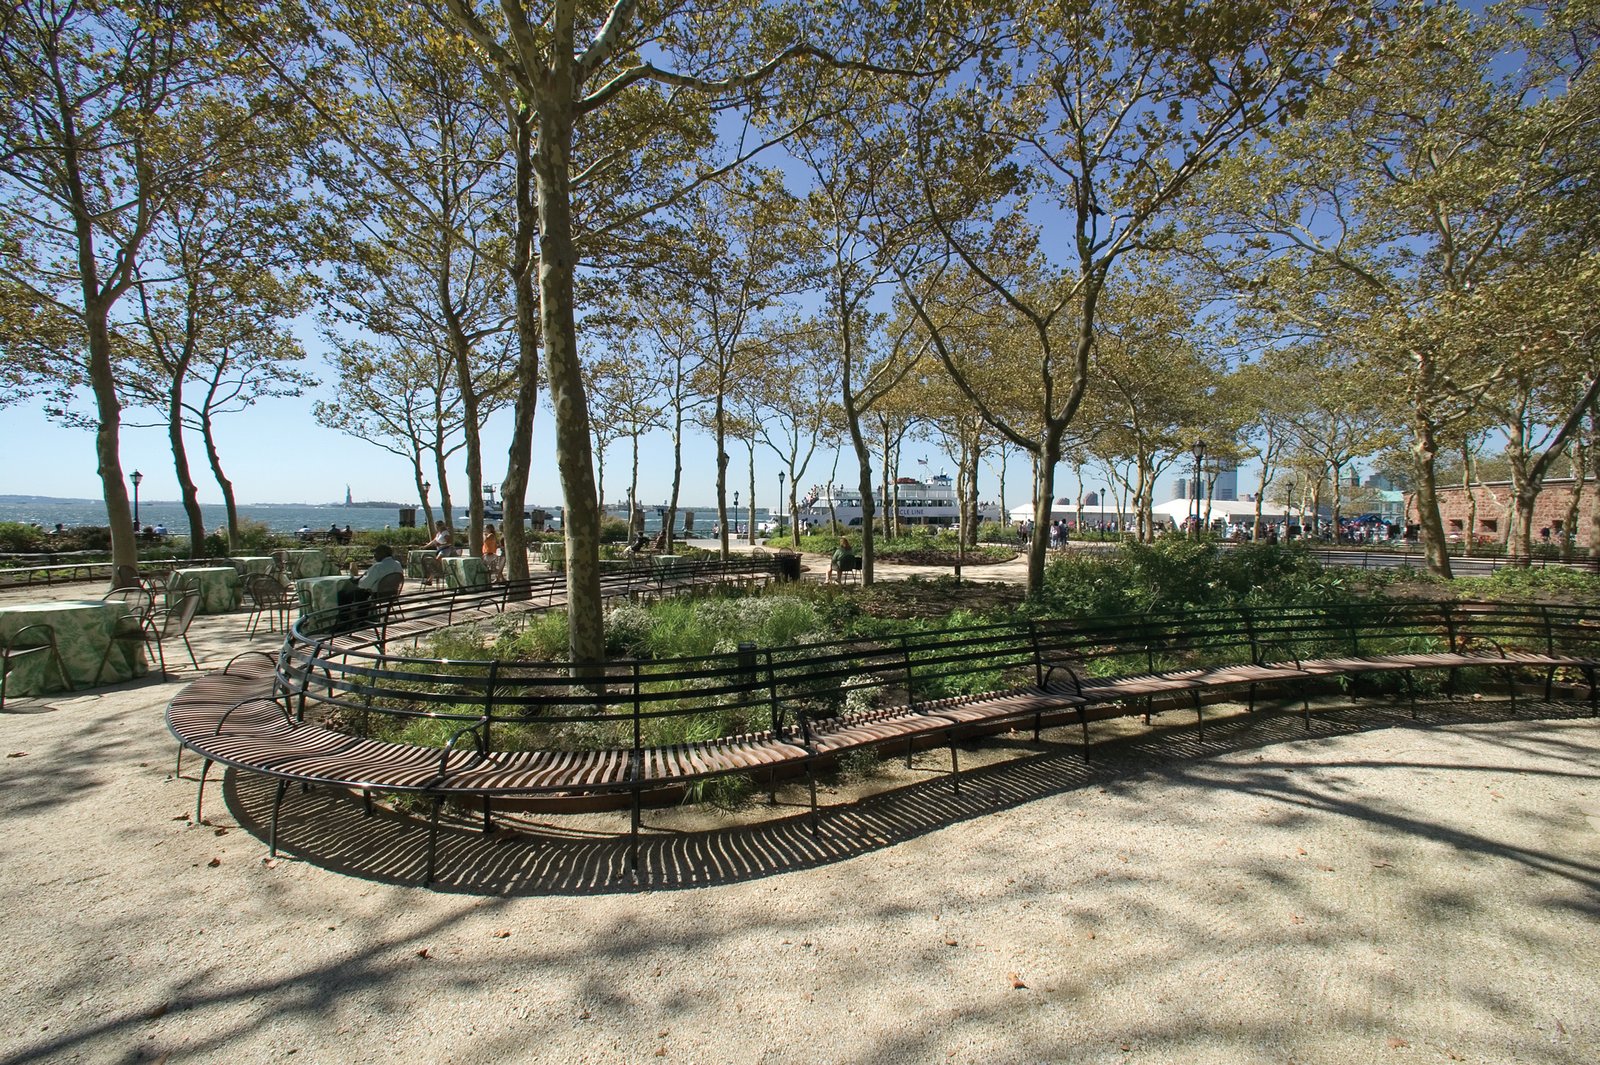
(527, 855)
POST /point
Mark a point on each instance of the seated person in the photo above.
(346, 536)
(441, 539)
(843, 559)
(491, 541)
(353, 595)
(640, 542)
(333, 533)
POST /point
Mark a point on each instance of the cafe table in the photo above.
(309, 562)
(554, 554)
(467, 573)
(83, 630)
(219, 587)
(319, 601)
(250, 565)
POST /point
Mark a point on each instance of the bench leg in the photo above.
(433, 840)
(488, 820)
(911, 747)
(811, 783)
(200, 790)
(1549, 682)
(955, 766)
(1083, 723)
(1594, 702)
(1199, 714)
(177, 770)
(1411, 692)
(277, 804)
(1252, 702)
(633, 839)
(366, 802)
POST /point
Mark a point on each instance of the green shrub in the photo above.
(23, 539)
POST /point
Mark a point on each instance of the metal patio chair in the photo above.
(20, 646)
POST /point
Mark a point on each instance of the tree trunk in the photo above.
(1044, 494)
(519, 453)
(180, 466)
(864, 486)
(108, 409)
(1423, 455)
(750, 531)
(214, 459)
(722, 472)
(558, 327)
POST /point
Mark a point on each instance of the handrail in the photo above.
(782, 684)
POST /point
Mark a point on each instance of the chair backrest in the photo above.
(264, 589)
(389, 586)
(179, 614)
(138, 599)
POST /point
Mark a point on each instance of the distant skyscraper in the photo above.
(1226, 487)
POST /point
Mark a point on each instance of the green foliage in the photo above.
(1518, 583)
(613, 530)
(676, 628)
(254, 537)
(23, 539)
(1177, 572)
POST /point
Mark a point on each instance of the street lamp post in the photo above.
(136, 477)
(427, 512)
(1199, 456)
(781, 476)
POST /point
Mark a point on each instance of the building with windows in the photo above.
(1487, 506)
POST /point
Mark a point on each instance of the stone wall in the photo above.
(1494, 510)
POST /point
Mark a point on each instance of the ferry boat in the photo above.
(494, 510)
(931, 502)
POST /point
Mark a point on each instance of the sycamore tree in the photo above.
(1154, 391)
(400, 399)
(108, 111)
(221, 279)
(733, 264)
(624, 97)
(1396, 212)
(796, 394)
(1041, 175)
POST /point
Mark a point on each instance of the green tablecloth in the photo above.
(309, 562)
(466, 572)
(554, 554)
(319, 596)
(252, 564)
(83, 630)
(665, 565)
(219, 587)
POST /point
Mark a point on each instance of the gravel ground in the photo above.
(1399, 894)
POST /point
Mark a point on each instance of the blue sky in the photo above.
(277, 453)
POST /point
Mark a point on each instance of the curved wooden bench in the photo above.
(264, 718)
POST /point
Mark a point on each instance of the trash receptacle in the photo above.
(788, 566)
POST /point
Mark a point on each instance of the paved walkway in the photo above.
(1405, 894)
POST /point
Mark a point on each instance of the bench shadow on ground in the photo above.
(531, 854)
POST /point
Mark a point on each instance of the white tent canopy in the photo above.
(1236, 511)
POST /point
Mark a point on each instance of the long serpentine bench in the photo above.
(504, 729)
